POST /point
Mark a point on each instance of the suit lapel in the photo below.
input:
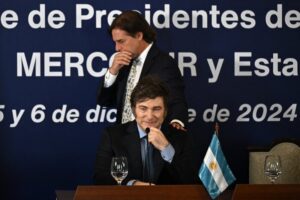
(132, 141)
(149, 60)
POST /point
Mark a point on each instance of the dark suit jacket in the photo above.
(161, 65)
(123, 140)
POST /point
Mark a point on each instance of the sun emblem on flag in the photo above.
(213, 165)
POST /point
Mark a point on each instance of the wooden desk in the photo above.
(174, 192)
(266, 191)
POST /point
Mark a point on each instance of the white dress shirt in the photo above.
(109, 78)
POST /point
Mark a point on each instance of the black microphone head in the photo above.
(147, 130)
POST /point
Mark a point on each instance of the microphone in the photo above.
(147, 130)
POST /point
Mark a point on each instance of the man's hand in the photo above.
(141, 183)
(121, 59)
(157, 138)
(178, 126)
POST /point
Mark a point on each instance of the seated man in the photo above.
(169, 153)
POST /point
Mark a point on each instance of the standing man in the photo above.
(161, 155)
(137, 56)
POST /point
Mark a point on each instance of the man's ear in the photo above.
(139, 35)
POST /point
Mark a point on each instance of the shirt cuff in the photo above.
(178, 121)
(109, 79)
(131, 182)
(168, 153)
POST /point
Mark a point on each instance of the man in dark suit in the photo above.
(135, 45)
(169, 150)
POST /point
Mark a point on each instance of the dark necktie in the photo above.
(147, 152)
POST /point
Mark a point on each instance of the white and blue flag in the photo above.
(215, 173)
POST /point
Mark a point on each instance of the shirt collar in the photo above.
(143, 55)
(141, 132)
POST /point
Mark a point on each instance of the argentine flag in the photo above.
(215, 173)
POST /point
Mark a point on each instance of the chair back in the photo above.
(290, 160)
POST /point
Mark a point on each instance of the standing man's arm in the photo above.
(108, 86)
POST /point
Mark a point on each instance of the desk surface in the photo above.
(174, 192)
(266, 191)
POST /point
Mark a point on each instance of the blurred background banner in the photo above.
(239, 60)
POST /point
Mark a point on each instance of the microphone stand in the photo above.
(147, 130)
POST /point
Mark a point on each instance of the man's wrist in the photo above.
(112, 71)
(168, 153)
(109, 79)
(131, 183)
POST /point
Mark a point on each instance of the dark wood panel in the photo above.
(266, 192)
(174, 192)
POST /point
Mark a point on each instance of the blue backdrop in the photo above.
(239, 61)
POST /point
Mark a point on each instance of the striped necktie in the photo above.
(127, 112)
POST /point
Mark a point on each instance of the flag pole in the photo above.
(217, 129)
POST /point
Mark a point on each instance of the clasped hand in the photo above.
(157, 139)
(121, 59)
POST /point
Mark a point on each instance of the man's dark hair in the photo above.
(133, 22)
(149, 87)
